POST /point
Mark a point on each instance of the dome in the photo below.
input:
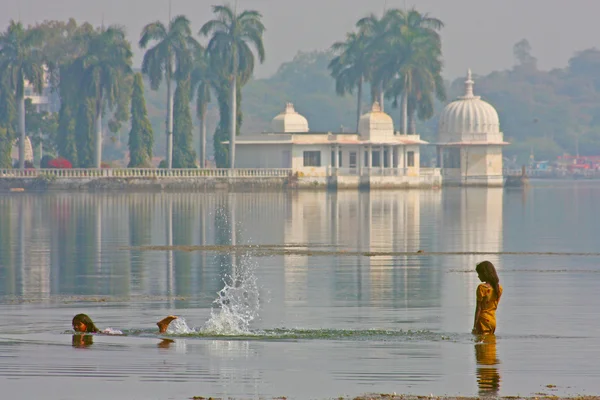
(375, 123)
(468, 116)
(289, 121)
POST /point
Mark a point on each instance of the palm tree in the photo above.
(103, 70)
(350, 67)
(376, 30)
(202, 80)
(232, 34)
(21, 59)
(172, 52)
(411, 60)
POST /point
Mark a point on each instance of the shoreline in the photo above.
(42, 184)
(394, 396)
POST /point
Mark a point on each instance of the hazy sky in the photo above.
(479, 33)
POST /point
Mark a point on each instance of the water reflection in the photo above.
(367, 222)
(488, 377)
(73, 243)
(165, 343)
(82, 340)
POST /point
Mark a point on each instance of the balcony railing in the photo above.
(378, 171)
(86, 173)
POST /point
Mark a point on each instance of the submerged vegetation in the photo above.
(315, 250)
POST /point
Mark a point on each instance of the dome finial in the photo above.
(469, 86)
(376, 107)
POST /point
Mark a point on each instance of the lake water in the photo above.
(339, 312)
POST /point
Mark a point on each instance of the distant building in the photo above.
(375, 156)
(47, 101)
(470, 141)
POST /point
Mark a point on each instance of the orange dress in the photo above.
(488, 303)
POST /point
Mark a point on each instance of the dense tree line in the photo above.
(395, 59)
(544, 113)
(90, 70)
(400, 55)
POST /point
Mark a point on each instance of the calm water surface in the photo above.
(320, 324)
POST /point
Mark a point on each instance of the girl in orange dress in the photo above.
(488, 296)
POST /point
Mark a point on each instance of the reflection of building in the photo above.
(365, 222)
(376, 155)
(470, 141)
(471, 221)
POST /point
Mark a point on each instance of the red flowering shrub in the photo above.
(60, 162)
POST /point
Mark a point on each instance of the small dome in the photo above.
(375, 123)
(467, 115)
(289, 121)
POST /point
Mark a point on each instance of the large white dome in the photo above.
(289, 121)
(468, 118)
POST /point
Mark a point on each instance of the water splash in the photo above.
(238, 302)
(179, 327)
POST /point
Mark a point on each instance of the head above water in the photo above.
(487, 273)
(83, 323)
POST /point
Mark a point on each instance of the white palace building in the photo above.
(469, 149)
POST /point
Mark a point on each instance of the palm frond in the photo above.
(152, 32)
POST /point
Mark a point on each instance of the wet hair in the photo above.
(89, 324)
(488, 274)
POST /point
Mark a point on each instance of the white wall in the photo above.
(262, 155)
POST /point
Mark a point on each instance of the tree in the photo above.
(84, 139)
(375, 32)
(41, 127)
(103, 71)
(171, 52)
(184, 155)
(63, 44)
(21, 59)
(232, 35)
(7, 123)
(410, 59)
(350, 67)
(141, 137)
(66, 144)
(522, 53)
(202, 80)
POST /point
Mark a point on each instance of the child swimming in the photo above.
(488, 297)
(84, 324)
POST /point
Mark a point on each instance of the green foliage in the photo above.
(86, 133)
(20, 60)
(42, 126)
(65, 137)
(141, 136)
(232, 37)
(7, 124)
(170, 57)
(184, 155)
(548, 113)
(306, 82)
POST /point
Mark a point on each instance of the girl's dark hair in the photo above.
(488, 274)
(89, 324)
